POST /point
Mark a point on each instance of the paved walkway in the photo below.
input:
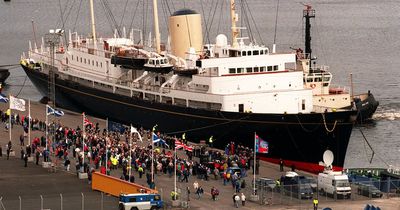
(30, 182)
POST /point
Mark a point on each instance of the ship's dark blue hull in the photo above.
(296, 137)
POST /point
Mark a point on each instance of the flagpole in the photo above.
(130, 154)
(83, 142)
(106, 144)
(175, 174)
(10, 124)
(152, 157)
(29, 123)
(47, 129)
(254, 165)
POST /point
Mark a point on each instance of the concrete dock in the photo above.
(63, 190)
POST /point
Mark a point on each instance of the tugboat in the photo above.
(318, 78)
(229, 91)
(4, 74)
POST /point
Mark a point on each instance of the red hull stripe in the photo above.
(303, 166)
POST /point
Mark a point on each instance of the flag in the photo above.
(261, 145)
(3, 98)
(157, 139)
(134, 130)
(179, 145)
(55, 112)
(17, 104)
(116, 127)
(86, 121)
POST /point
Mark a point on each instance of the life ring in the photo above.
(312, 86)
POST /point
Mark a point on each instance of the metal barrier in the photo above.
(286, 195)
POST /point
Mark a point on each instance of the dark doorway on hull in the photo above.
(241, 108)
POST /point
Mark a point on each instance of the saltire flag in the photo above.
(3, 98)
(261, 145)
(116, 127)
(134, 130)
(157, 139)
(179, 145)
(17, 104)
(55, 112)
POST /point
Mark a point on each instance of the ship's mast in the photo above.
(93, 25)
(234, 19)
(156, 27)
(308, 13)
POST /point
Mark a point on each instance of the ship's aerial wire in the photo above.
(134, 15)
(276, 21)
(254, 22)
(77, 16)
(123, 14)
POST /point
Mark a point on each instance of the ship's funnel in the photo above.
(185, 31)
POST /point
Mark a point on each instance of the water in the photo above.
(352, 36)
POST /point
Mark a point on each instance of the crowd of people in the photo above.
(93, 148)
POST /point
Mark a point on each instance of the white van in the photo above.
(334, 183)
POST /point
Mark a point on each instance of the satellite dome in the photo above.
(221, 40)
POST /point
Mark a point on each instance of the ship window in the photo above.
(241, 108)
(309, 80)
(276, 68)
(266, 51)
(81, 59)
(157, 62)
(89, 61)
(262, 52)
(232, 70)
(318, 79)
(255, 69)
(326, 79)
(97, 63)
(85, 61)
(249, 69)
(249, 53)
(303, 104)
(244, 53)
(101, 64)
(262, 68)
(255, 52)
(269, 68)
(239, 53)
(92, 62)
(239, 70)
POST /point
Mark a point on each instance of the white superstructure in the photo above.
(240, 78)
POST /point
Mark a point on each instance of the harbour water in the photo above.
(354, 36)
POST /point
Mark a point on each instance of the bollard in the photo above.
(83, 201)
(41, 202)
(102, 200)
(20, 202)
(61, 204)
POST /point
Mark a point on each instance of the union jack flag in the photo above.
(179, 145)
(86, 121)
